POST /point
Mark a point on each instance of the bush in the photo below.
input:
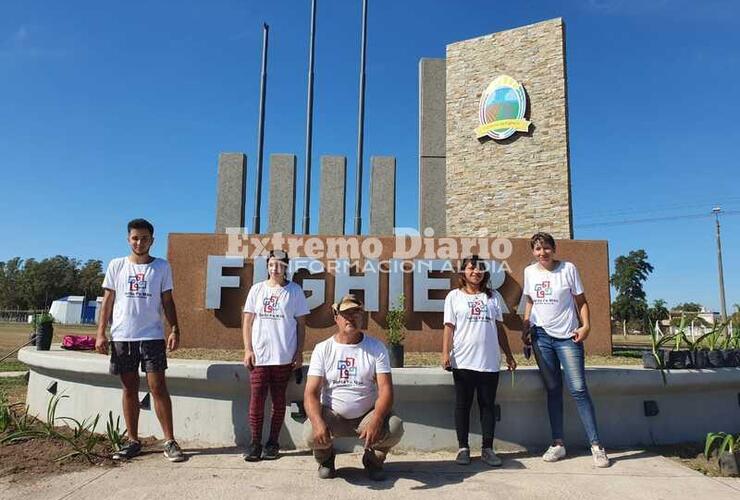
(396, 320)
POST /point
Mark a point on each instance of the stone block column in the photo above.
(383, 195)
(230, 190)
(281, 210)
(333, 194)
(432, 131)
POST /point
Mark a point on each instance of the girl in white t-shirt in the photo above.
(273, 329)
(471, 349)
(555, 303)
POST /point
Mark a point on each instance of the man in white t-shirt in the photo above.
(349, 392)
(137, 289)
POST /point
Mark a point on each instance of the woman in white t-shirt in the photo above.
(471, 349)
(555, 301)
(273, 330)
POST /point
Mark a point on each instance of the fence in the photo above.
(18, 315)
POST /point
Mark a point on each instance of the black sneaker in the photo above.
(271, 451)
(127, 451)
(463, 456)
(373, 466)
(327, 469)
(172, 451)
(253, 453)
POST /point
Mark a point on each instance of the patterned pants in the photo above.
(275, 379)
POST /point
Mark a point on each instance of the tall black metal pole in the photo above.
(722, 305)
(309, 126)
(261, 132)
(361, 123)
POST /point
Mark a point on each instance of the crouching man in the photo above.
(349, 392)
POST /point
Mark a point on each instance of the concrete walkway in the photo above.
(12, 374)
(222, 474)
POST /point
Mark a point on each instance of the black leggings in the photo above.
(485, 384)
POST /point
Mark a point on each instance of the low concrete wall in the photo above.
(210, 400)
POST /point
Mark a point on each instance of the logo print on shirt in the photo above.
(347, 368)
(136, 282)
(270, 305)
(477, 310)
(543, 289)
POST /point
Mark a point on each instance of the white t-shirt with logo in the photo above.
(137, 310)
(475, 339)
(552, 292)
(350, 374)
(275, 309)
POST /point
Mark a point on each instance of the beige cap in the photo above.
(349, 301)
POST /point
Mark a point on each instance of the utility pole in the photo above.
(261, 131)
(309, 124)
(723, 306)
(361, 123)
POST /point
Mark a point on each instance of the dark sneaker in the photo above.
(271, 451)
(172, 451)
(327, 469)
(463, 456)
(373, 466)
(253, 453)
(127, 451)
(489, 457)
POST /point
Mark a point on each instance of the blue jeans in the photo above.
(550, 354)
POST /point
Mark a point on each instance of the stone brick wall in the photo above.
(520, 185)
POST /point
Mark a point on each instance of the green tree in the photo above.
(91, 279)
(11, 275)
(47, 280)
(687, 307)
(630, 272)
(690, 310)
(658, 311)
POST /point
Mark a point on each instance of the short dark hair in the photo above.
(543, 239)
(141, 224)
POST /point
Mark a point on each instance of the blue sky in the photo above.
(110, 111)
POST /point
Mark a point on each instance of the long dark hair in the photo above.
(479, 263)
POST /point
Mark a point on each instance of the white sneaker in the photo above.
(554, 453)
(600, 458)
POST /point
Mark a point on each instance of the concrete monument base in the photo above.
(210, 401)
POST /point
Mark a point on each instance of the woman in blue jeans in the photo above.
(555, 303)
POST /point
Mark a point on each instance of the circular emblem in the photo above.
(501, 110)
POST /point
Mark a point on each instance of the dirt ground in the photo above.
(690, 455)
(36, 458)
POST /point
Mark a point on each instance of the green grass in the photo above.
(641, 340)
(12, 365)
(14, 387)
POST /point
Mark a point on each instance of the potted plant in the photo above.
(728, 451)
(678, 358)
(714, 342)
(730, 350)
(698, 354)
(396, 321)
(655, 358)
(44, 326)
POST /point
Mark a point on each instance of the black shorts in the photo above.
(125, 356)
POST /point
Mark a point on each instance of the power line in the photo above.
(654, 219)
(664, 207)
